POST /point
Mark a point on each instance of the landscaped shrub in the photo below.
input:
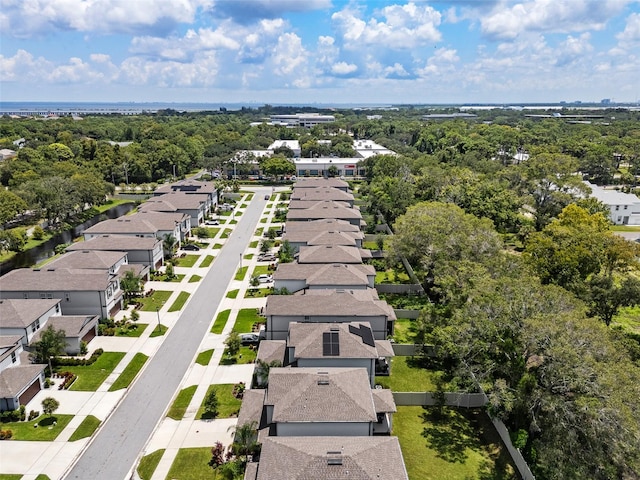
(33, 414)
(10, 416)
(77, 362)
(69, 378)
(238, 390)
(6, 434)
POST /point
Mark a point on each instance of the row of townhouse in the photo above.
(73, 292)
(320, 415)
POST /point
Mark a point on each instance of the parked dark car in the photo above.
(249, 338)
(191, 247)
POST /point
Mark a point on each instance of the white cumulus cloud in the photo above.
(344, 68)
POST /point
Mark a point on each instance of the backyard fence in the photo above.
(451, 399)
(404, 313)
(399, 288)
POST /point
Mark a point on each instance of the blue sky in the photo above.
(324, 51)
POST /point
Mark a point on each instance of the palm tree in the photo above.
(262, 372)
(245, 440)
(168, 244)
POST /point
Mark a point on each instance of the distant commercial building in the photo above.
(306, 120)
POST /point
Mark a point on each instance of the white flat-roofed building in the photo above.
(293, 145)
(307, 120)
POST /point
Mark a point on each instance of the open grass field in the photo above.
(455, 445)
(90, 377)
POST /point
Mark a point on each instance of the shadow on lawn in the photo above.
(452, 433)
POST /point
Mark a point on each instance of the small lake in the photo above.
(37, 254)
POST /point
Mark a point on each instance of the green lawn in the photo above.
(149, 463)
(404, 330)
(89, 425)
(158, 331)
(194, 278)
(246, 355)
(264, 220)
(246, 318)
(133, 330)
(204, 358)
(254, 244)
(457, 445)
(10, 476)
(233, 221)
(257, 234)
(90, 377)
(226, 232)
(247, 256)
(186, 261)
(155, 301)
(242, 271)
(232, 293)
(45, 432)
(181, 403)
(177, 278)
(624, 228)
(217, 246)
(408, 375)
(228, 405)
(179, 302)
(221, 321)
(129, 372)
(213, 231)
(258, 292)
(392, 276)
(192, 464)
(259, 270)
(207, 261)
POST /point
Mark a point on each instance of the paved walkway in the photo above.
(142, 432)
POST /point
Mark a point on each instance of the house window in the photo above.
(35, 326)
(13, 357)
(43, 296)
(625, 207)
(617, 207)
(57, 308)
(66, 296)
(50, 296)
(25, 296)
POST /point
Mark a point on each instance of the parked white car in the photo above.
(265, 278)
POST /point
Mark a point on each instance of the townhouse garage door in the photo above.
(30, 392)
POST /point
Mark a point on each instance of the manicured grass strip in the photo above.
(155, 301)
(245, 356)
(242, 271)
(217, 246)
(42, 476)
(181, 403)
(228, 405)
(204, 358)
(213, 231)
(129, 372)
(180, 301)
(149, 463)
(158, 331)
(246, 318)
(225, 233)
(195, 278)
(186, 261)
(258, 233)
(90, 377)
(247, 256)
(134, 332)
(232, 293)
(27, 432)
(221, 321)
(454, 445)
(192, 464)
(233, 222)
(254, 244)
(177, 278)
(263, 220)
(10, 476)
(207, 261)
(89, 425)
(408, 374)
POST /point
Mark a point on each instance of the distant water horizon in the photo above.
(150, 107)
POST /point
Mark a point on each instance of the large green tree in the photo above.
(51, 344)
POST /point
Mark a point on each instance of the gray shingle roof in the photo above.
(187, 186)
(251, 408)
(326, 274)
(323, 225)
(118, 243)
(307, 458)
(27, 280)
(14, 379)
(383, 400)
(138, 223)
(298, 204)
(329, 254)
(176, 201)
(320, 395)
(73, 325)
(307, 340)
(320, 183)
(321, 193)
(271, 350)
(329, 302)
(20, 313)
(323, 210)
(88, 259)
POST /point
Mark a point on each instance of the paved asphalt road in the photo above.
(112, 453)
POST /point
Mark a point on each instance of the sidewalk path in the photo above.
(114, 449)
